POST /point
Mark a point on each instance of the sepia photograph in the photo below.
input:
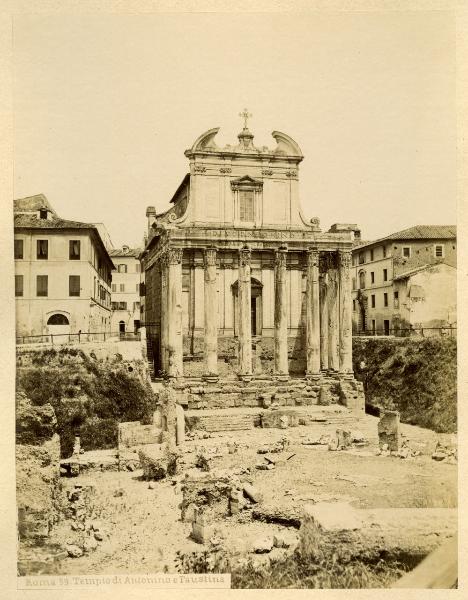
(235, 296)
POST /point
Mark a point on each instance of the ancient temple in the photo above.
(239, 285)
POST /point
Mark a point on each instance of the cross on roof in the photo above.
(245, 115)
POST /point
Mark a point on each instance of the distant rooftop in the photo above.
(125, 251)
(32, 204)
(419, 232)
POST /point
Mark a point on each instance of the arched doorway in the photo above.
(121, 327)
(58, 324)
(255, 306)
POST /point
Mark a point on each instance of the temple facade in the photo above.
(239, 285)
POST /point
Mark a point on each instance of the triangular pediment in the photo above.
(246, 182)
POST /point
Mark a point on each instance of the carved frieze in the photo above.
(267, 171)
(225, 170)
(199, 169)
(291, 173)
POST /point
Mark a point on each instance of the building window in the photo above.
(385, 299)
(74, 285)
(406, 251)
(137, 288)
(384, 251)
(43, 213)
(122, 306)
(122, 287)
(372, 301)
(136, 306)
(114, 287)
(361, 258)
(74, 250)
(372, 255)
(439, 251)
(18, 248)
(385, 275)
(122, 268)
(42, 249)
(42, 285)
(354, 283)
(354, 305)
(396, 300)
(362, 280)
(137, 267)
(142, 289)
(115, 306)
(18, 285)
(246, 206)
(372, 277)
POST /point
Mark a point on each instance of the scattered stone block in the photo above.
(252, 493)
(389, 430)
(344, 438)
(285, 539)
(263, 545)
(74, 551)
(157, 461)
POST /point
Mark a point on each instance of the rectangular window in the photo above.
(406, 251)
(439, 251)
(373, 301)
(74, 253)
(18, 285)
(136, 306)
(385, 275)
(361, 258)
(42, 285)
(354, 305)
(396, 300)
(372, 255)
(43, 213)
(122, 287)
(137, 267)
(137, 288)
(42, 249)
(372, 277)
(122, 268)
(18, 248)
(115, 306)
(246, 206)
(385, 299)
(354, 283)
(74, 285)
(114, 287)
(142, 289)
(122, 306)
(384, 251)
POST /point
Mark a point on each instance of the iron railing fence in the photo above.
(407, 332)
(78, 338)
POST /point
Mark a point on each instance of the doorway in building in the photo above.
(253, 315)
(122, 328)
(386, 326)
(255, 307)
(59, 325)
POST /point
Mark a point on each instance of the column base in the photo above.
(346, 374)
(245, 376)
(312, 376)
(281, 376)
(210, 378)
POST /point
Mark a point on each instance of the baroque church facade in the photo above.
(239, 285)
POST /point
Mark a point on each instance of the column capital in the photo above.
(209, 255)
(281, 257)
(245, 255)
(345, 258)
(174, 256)
(313, 256)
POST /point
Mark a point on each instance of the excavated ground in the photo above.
(142, 526)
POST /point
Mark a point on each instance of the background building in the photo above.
(62, 273)
(126, 279)
(406, 280)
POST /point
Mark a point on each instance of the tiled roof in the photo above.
(131, 252)
(31, 204)
(416, 270)
(33, 222)
(419, 232)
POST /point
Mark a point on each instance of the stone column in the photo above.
(163, 312)
(245, 333)
(323, 285)
(211, 313)
(174, 313)
(313, 313)
(333, 317)
(346, 315)
(281, 314)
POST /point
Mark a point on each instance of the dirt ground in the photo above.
(143, 530)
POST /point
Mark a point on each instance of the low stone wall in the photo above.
(134, 433)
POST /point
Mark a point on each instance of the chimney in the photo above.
(151, 215)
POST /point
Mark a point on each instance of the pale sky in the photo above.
(106, 105)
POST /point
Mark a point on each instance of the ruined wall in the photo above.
(92, 388)
(417, 377)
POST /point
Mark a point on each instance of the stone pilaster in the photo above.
(163, 263)
(333, 315)
(174, 313)
(346, 326)
(281, 314)
(245, 330)
(313, 313)
(211, 313)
